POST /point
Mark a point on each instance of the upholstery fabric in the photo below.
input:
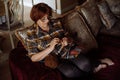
(91, 14)
(76, 26)
(106, 14)
(22, 68)
(114, 6)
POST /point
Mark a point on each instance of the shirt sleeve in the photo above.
(32, 46)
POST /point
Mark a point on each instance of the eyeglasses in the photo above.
(45, 18)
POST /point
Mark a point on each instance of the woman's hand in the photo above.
(54, 42)
(64, 41)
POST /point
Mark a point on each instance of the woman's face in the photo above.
(43, 21)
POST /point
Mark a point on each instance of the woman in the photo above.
(48, 43)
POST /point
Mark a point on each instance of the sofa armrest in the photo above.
(22, 68)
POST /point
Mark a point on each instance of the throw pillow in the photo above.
(106, 14)
(90, 13)
(114, 6)
(78, 29)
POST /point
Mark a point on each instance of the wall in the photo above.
(65, 5)
(51, 3)
(59, 6)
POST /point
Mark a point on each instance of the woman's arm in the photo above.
(41, 55)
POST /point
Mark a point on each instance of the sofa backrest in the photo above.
(74, 23)
(90, 13)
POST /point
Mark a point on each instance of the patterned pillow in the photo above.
(76, 26)
(106, 14)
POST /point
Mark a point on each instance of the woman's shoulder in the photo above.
(22, 34)
(24, 31)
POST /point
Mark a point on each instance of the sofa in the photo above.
(95, 25)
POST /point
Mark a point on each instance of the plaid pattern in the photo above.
(38, 40)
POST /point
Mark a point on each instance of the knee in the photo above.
(69, 70)
(83, 63)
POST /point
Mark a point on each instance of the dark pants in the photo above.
(77, 67)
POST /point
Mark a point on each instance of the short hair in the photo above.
(39, 10)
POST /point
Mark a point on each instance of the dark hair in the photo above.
(39, 10)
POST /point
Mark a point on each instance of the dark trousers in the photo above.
(76, 67)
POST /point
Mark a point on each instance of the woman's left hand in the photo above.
(64, 41)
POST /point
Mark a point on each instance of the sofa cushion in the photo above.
(90, 13)
(76, 26)
(106, 14)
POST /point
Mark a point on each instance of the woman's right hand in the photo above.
(54, 42)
